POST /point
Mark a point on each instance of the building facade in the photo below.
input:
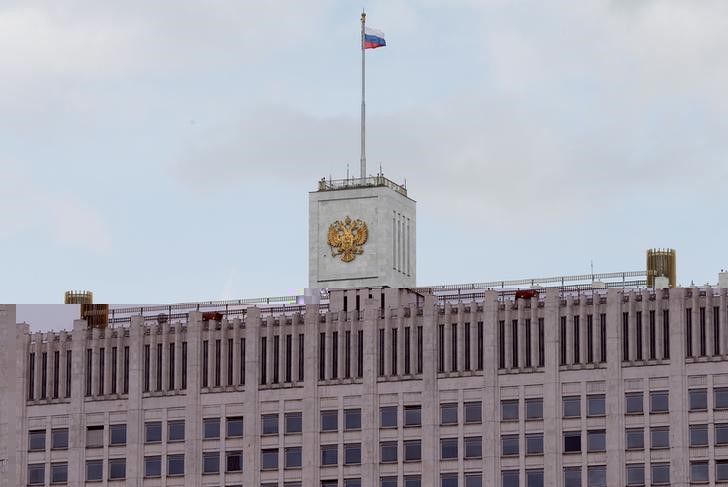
(380, 387)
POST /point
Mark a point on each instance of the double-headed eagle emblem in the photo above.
(347, 238)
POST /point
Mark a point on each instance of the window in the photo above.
(176, 430)
(534, 444)
(330, 420)
(210, 462)
(277, 355)
(572, 407)
(126, 372)
(466, 351)
(293, 456)
(393, 363)
(117, 468)
(720, 397)
(534, 478)
(359, 355)
(596, 440)
(269, 424)
(635, 438)
(638, 335)
(329, 455)
(698, 399)
(698, 471)
(210, 428)
(660, 473)
(509, 410)
(59, 439)
(352, 453)
(59, 472)
(289, 356)
(625, 336)
(56, 372)
(603, 337)
(633, 403)
(590, 339)
(659, 402)
(420, 343)
(412, 450)
(264, 359)
(501, 344)
(294, 423)
(44, 376)
(473, 447)
(234, 426)
(572, 441)
(36, 474)
(36, 440)
(347, 483)
(410, 481)
(534, 408)
(448, 448)
(595, 405)
(636, 474)
(509, 478)
(175, 465)
(541, 341)
(596, 476)
(388, 417)
(514, 344)
(153, 432)
(454, 347)
(234, 461)
(206, 362)
(572, 476)
(413, 416)
(31, 377)
(69, 363)
(388, 451)
(352, 419)
(387, 481)
(509, 445)
(703, 351)
(153, 466)
(666, 333)
(721, 470)
(473, 480)
(652, 341)
(94, 436)
(94, 470)
(659, 437)
(721, 434)
(448, 414)
(562, 341)
(89, 365)
(577, 356)
(527, 339)
(473, 412)
(159, 365)
(381, 352)
(117, 434)
(325, 483)
(269, 459)
(698, 435)
(449, 480)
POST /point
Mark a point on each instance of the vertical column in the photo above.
(77, 419)
(310, 399)
(153, 339)
(135, 409)
(521, 316)
(211, 337)
(722, 322)
(119, 343)
(570, 330)
(430, 400)
(50, 347)
(251, 452)
(295, 330)
(237, 353)
(165, 356)
(508, 351)
(491, 413)
(108, 375)
(193, 416)
(709, 329)
(95, 371)
(615, 390)
(62, 347)
(224, 335)
(644, 308)
(178, 357)
(695, 305)
(460, 335)
(534, 331)
(659, 330)
(552, 389)
(679, 449)
(37, 348)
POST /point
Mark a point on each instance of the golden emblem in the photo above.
(347, 238)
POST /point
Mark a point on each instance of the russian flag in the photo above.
(373, 38)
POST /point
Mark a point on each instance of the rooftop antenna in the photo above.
(591, 263)
(347, 171)
(380, 169)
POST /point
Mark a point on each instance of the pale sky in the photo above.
(164, 151)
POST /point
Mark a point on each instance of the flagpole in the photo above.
(363, 161)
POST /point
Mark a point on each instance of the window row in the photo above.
(708, 333)
(583, 343)
(41, 366)
(646, 341)
(407, 349)
(459, 347)
(336, 355)
(164, 360)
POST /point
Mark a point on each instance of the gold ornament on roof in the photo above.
(347, 238)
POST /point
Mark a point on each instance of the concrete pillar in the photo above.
(551, 390)
(193, 422)
(310, 414)
(430, 399)
(491, 406)
(679, 450)
(615, 389)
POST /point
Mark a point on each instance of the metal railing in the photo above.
(353, 183)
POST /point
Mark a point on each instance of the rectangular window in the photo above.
(153, 432)
(480, 345)
(381, 353)
(69, 365)
(698, 435)
(501, 344)
(721, 434)
(360, 353)
(721, 470)
(572, 407)
(394, 351)
(56, 366)
(534, 444)
(277, 354)
(153, 466)
(230, 361)
(263, 360)
(514, 344)
(441, 348)
(603, 337)
(577, 340)
(36, 440)
(660, 473)
(117, 434)
(126, 370)
(94, 470)
(117, 468)
(388, 452)
(269, 424)
(572, 476)
(329, 455)
(159, 366)
(527, 358)
(716, 330)
(534, 478)
(184, 365)
(234, 425)
(293, 423)
(388, 417)
(407, 358)
(633, 403)
(44, 376)
(211, 428)
(572, 441)
(412, 416)
(659, 437)
(218, 373)
(205, 362)
(595, 405)
(352, 419)
(176, 465)
(509, 410)
(473, 447)
(689, 332)
(699, 472)
(289, 357)
(562, 341)
(449, 414)
(330, 420)
(269, 459)
(653, 338)
(590, 339)
(666, 334)
(448, 448)
(170, 364)
(114, 367)
(473, 412)
(534, 409)
(466, 352)
(242, 361)
(59, 439)
(36, 474)
(94, 436)
(509, 445)
(293, 457)
(89, 365)
(625, 336)
(720, 397)
(541, 344)
(638, 341)
(210, 462)
(412, 450)
(59, 473)
(322, 356)
(102, 371)
(703, 351)
(176, 430)
(453, 347)
(659, 402)
(635, 438)
(698, 399)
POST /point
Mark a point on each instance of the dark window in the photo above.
(114, 366)
(381, 352)
(633, 403)
(636, 474)
(527, 358)
(698, 399)
(394, 347)
(703, 351)
(572, 441)
(509, 410)
(153, 466)
(473, 480)
(448, 480)
(352, 453)
(501, 344)
(448, 448)
(347, 354)
(514, 344)
(659, 437)
(36, 474)
(441, 348)
(69, 364)
(638, 341)
(659, 401)
(412, 450)
(102, 369)
(534, 478)
(388, 417)
(716, 330)
(699, 471)
(293, 457)
(159, 366)
(117, 434)
(653, 342)
(352, 419)
(117, 468)
(660, 473)
(572, 476)
(289, 356)
(269, 424)
(205, 362)
(534, 408)
(211, 462)
(625, 336)
(562, 341)
(407, 358)
(541, 342)
(294, 422)
(534, 444)
(89, 365)
(264, 360)
(419, 349)
(330, 420)
(466, 352)
(666, 333)
(596, 440)
(388, 451)
(301, 356)
(698, 435)
(176, 430)
(387, 481)
(453, 347)
(509, 478)
(595, 405)
(473, 446)
(44, 376)
(448, 414)
(56, 367)
(473, 412)
(36, 440)
(277, 358)
(234, 426)
(721, 470)
(480, 345)
(509, 445)
(689, 332)
(94, 470)
(347, 483)
(413, 415)
(59, 439)
(126, 370)
(242, 361)
(603, 337)
(589, 339)
(334, 355)
(175, 465)
(329, 454)
(230, 361)
(153, 432)
(211, 428)
(572, 407)
(577, 340)
(635, 438)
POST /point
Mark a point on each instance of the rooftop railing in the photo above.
(353, 183)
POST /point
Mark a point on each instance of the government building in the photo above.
(617, 379)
